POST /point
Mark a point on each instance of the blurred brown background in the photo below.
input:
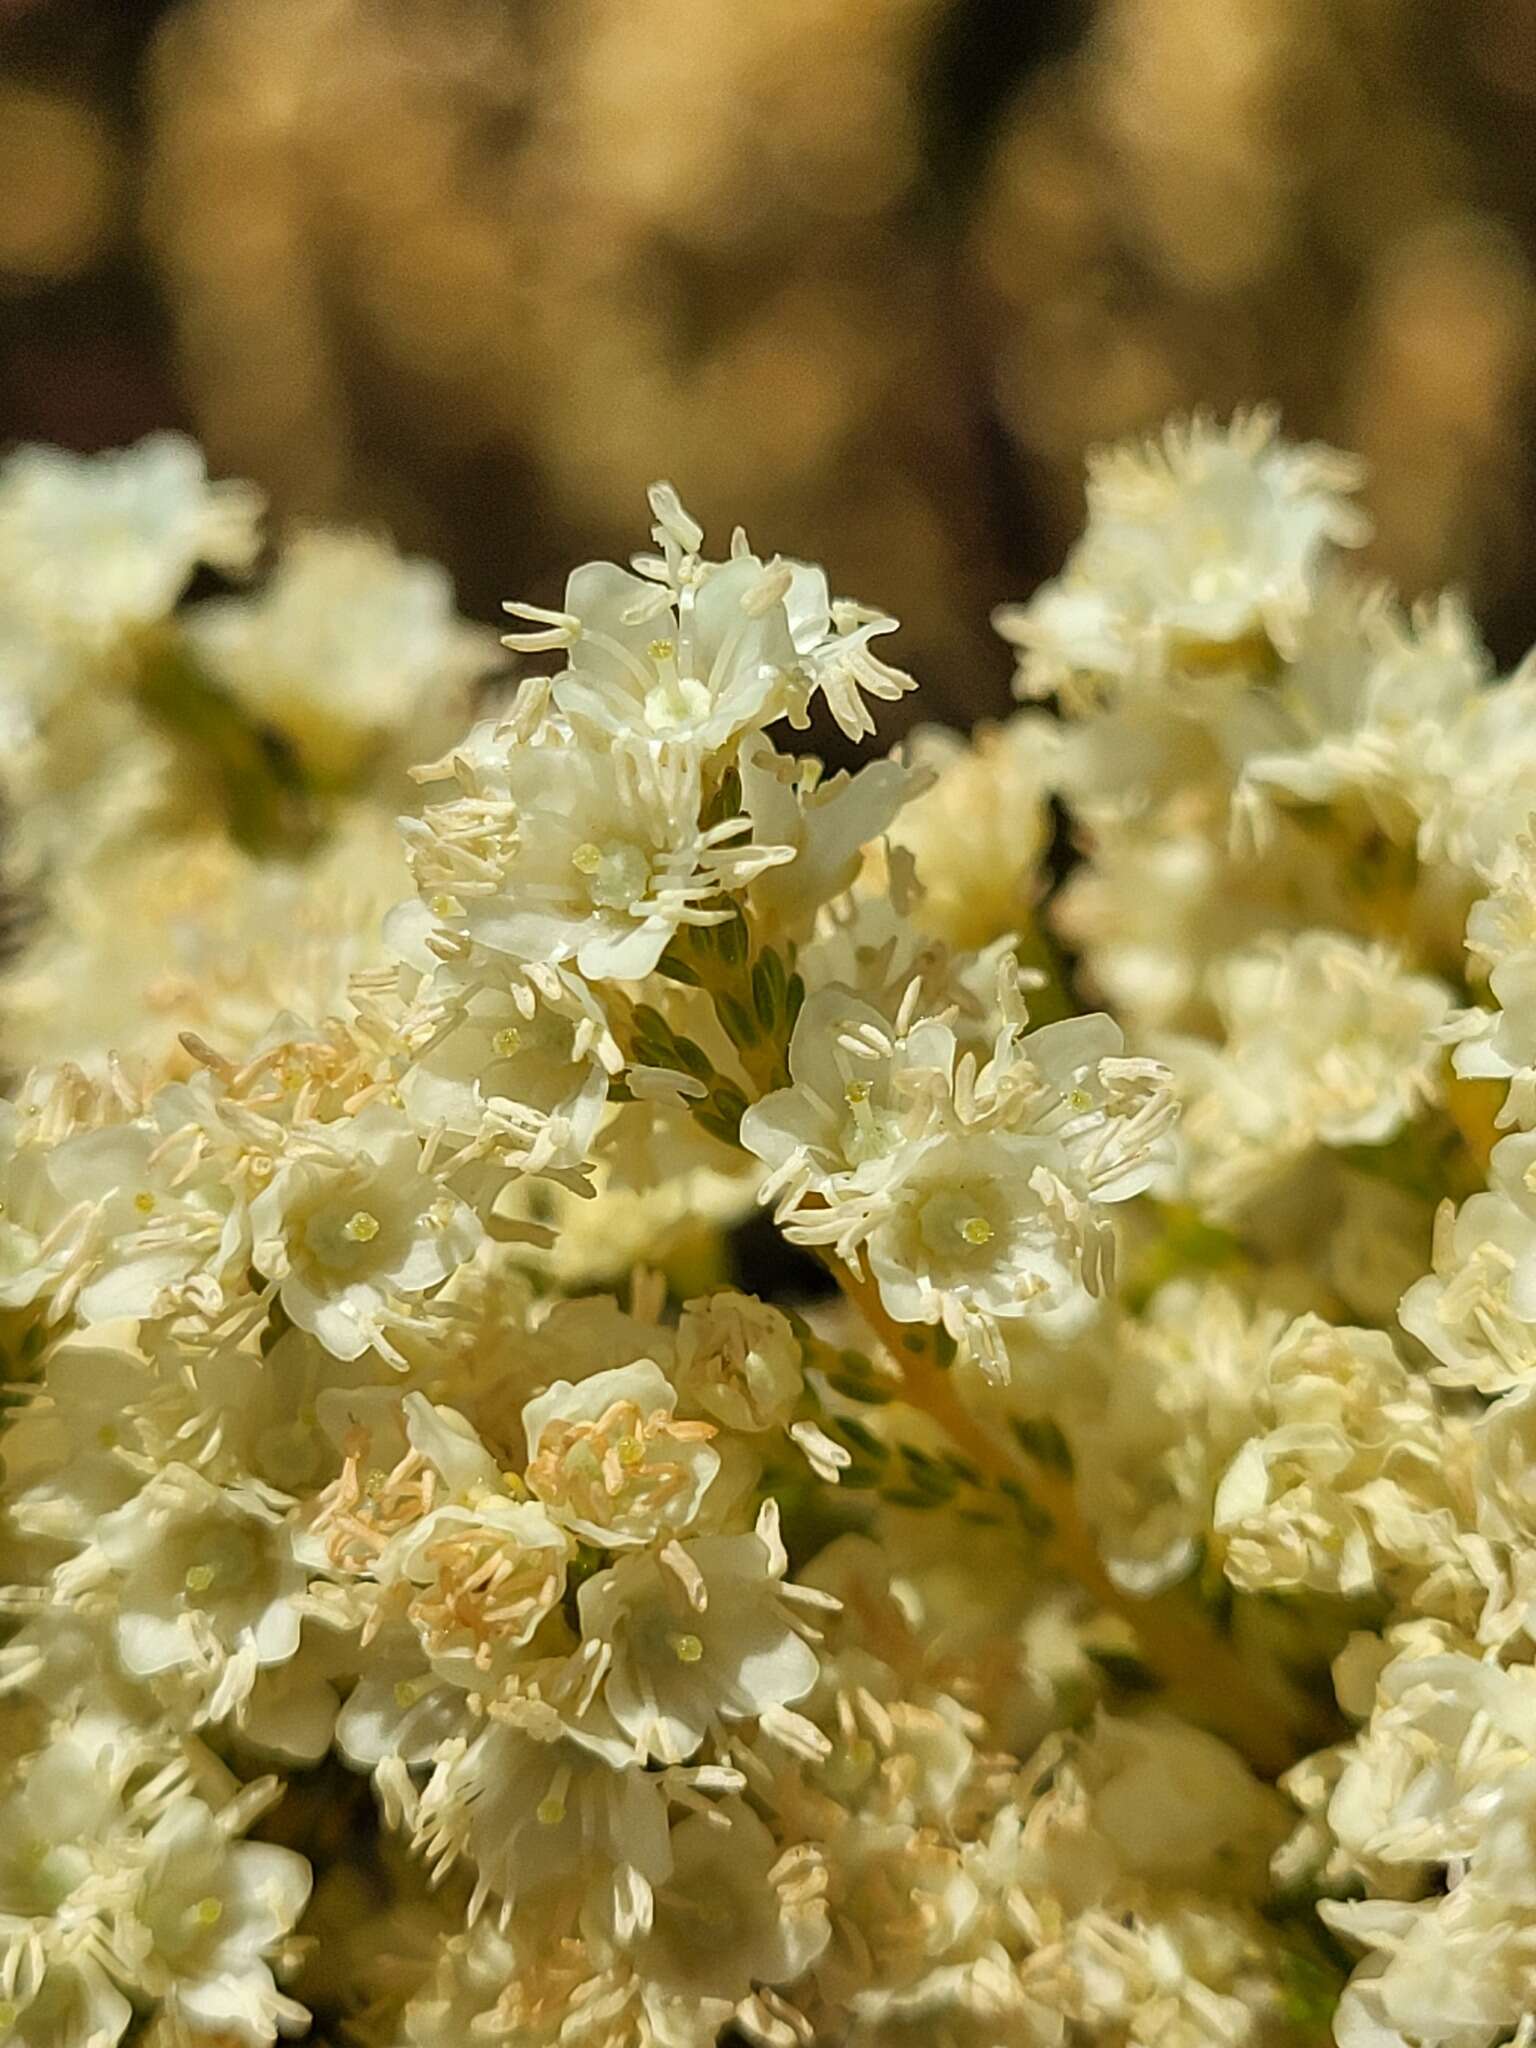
(864, 274)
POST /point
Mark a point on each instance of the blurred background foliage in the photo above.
(867, 275)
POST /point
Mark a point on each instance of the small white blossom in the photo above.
(100, 544)
(611, 1459)
(562, 852)
(699, 1635)
(1196, 541)
(345, 645)
(702, 651)
(352, 1228)
(738, 1360)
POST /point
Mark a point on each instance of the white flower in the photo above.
(154, 1219)
(730, 1916)
(1329, 1041)
(738, 1360)
(979, 832)
(974, 1188)
(563, 852)
(536, 1800)
(67, 2005)
(611, 1460)
(201, 1574)
(1476, 1312)
(849, 1110)
(520, 1063)
(826, 822)
(210, 1913)
(698, 1636)
(988, 1225)
(100, 544)
(1352, 1482)
(478, 1570)
(703, 651)
(1370, 697)
(352, 1229)
(1196, 542)
(346, 644)
(1487, 782)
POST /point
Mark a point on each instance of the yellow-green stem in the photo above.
(1254, 1710)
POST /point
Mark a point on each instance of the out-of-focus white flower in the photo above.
(1328, 1041)
(1370, 697)
(347, 644)
(195, 934)
(1196, 542)
(979, 833)
(729, 1916)
(1352, 1482)
(738, 1360)
(96, 545)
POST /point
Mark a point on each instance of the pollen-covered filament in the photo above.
(866, 1136)
(550, 1810)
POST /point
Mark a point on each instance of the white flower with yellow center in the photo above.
(354, 1231)
(520, 1064)
(699, 1636)
(209, 1916)
(702, 651)
(989, 1227)
(537, 1800)
(200, 1574)
(575, 853)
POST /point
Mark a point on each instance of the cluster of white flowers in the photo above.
(1093, 1602)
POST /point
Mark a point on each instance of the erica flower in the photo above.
(702, 651)
(537, 1799)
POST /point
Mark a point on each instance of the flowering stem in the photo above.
(1257, 1713)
